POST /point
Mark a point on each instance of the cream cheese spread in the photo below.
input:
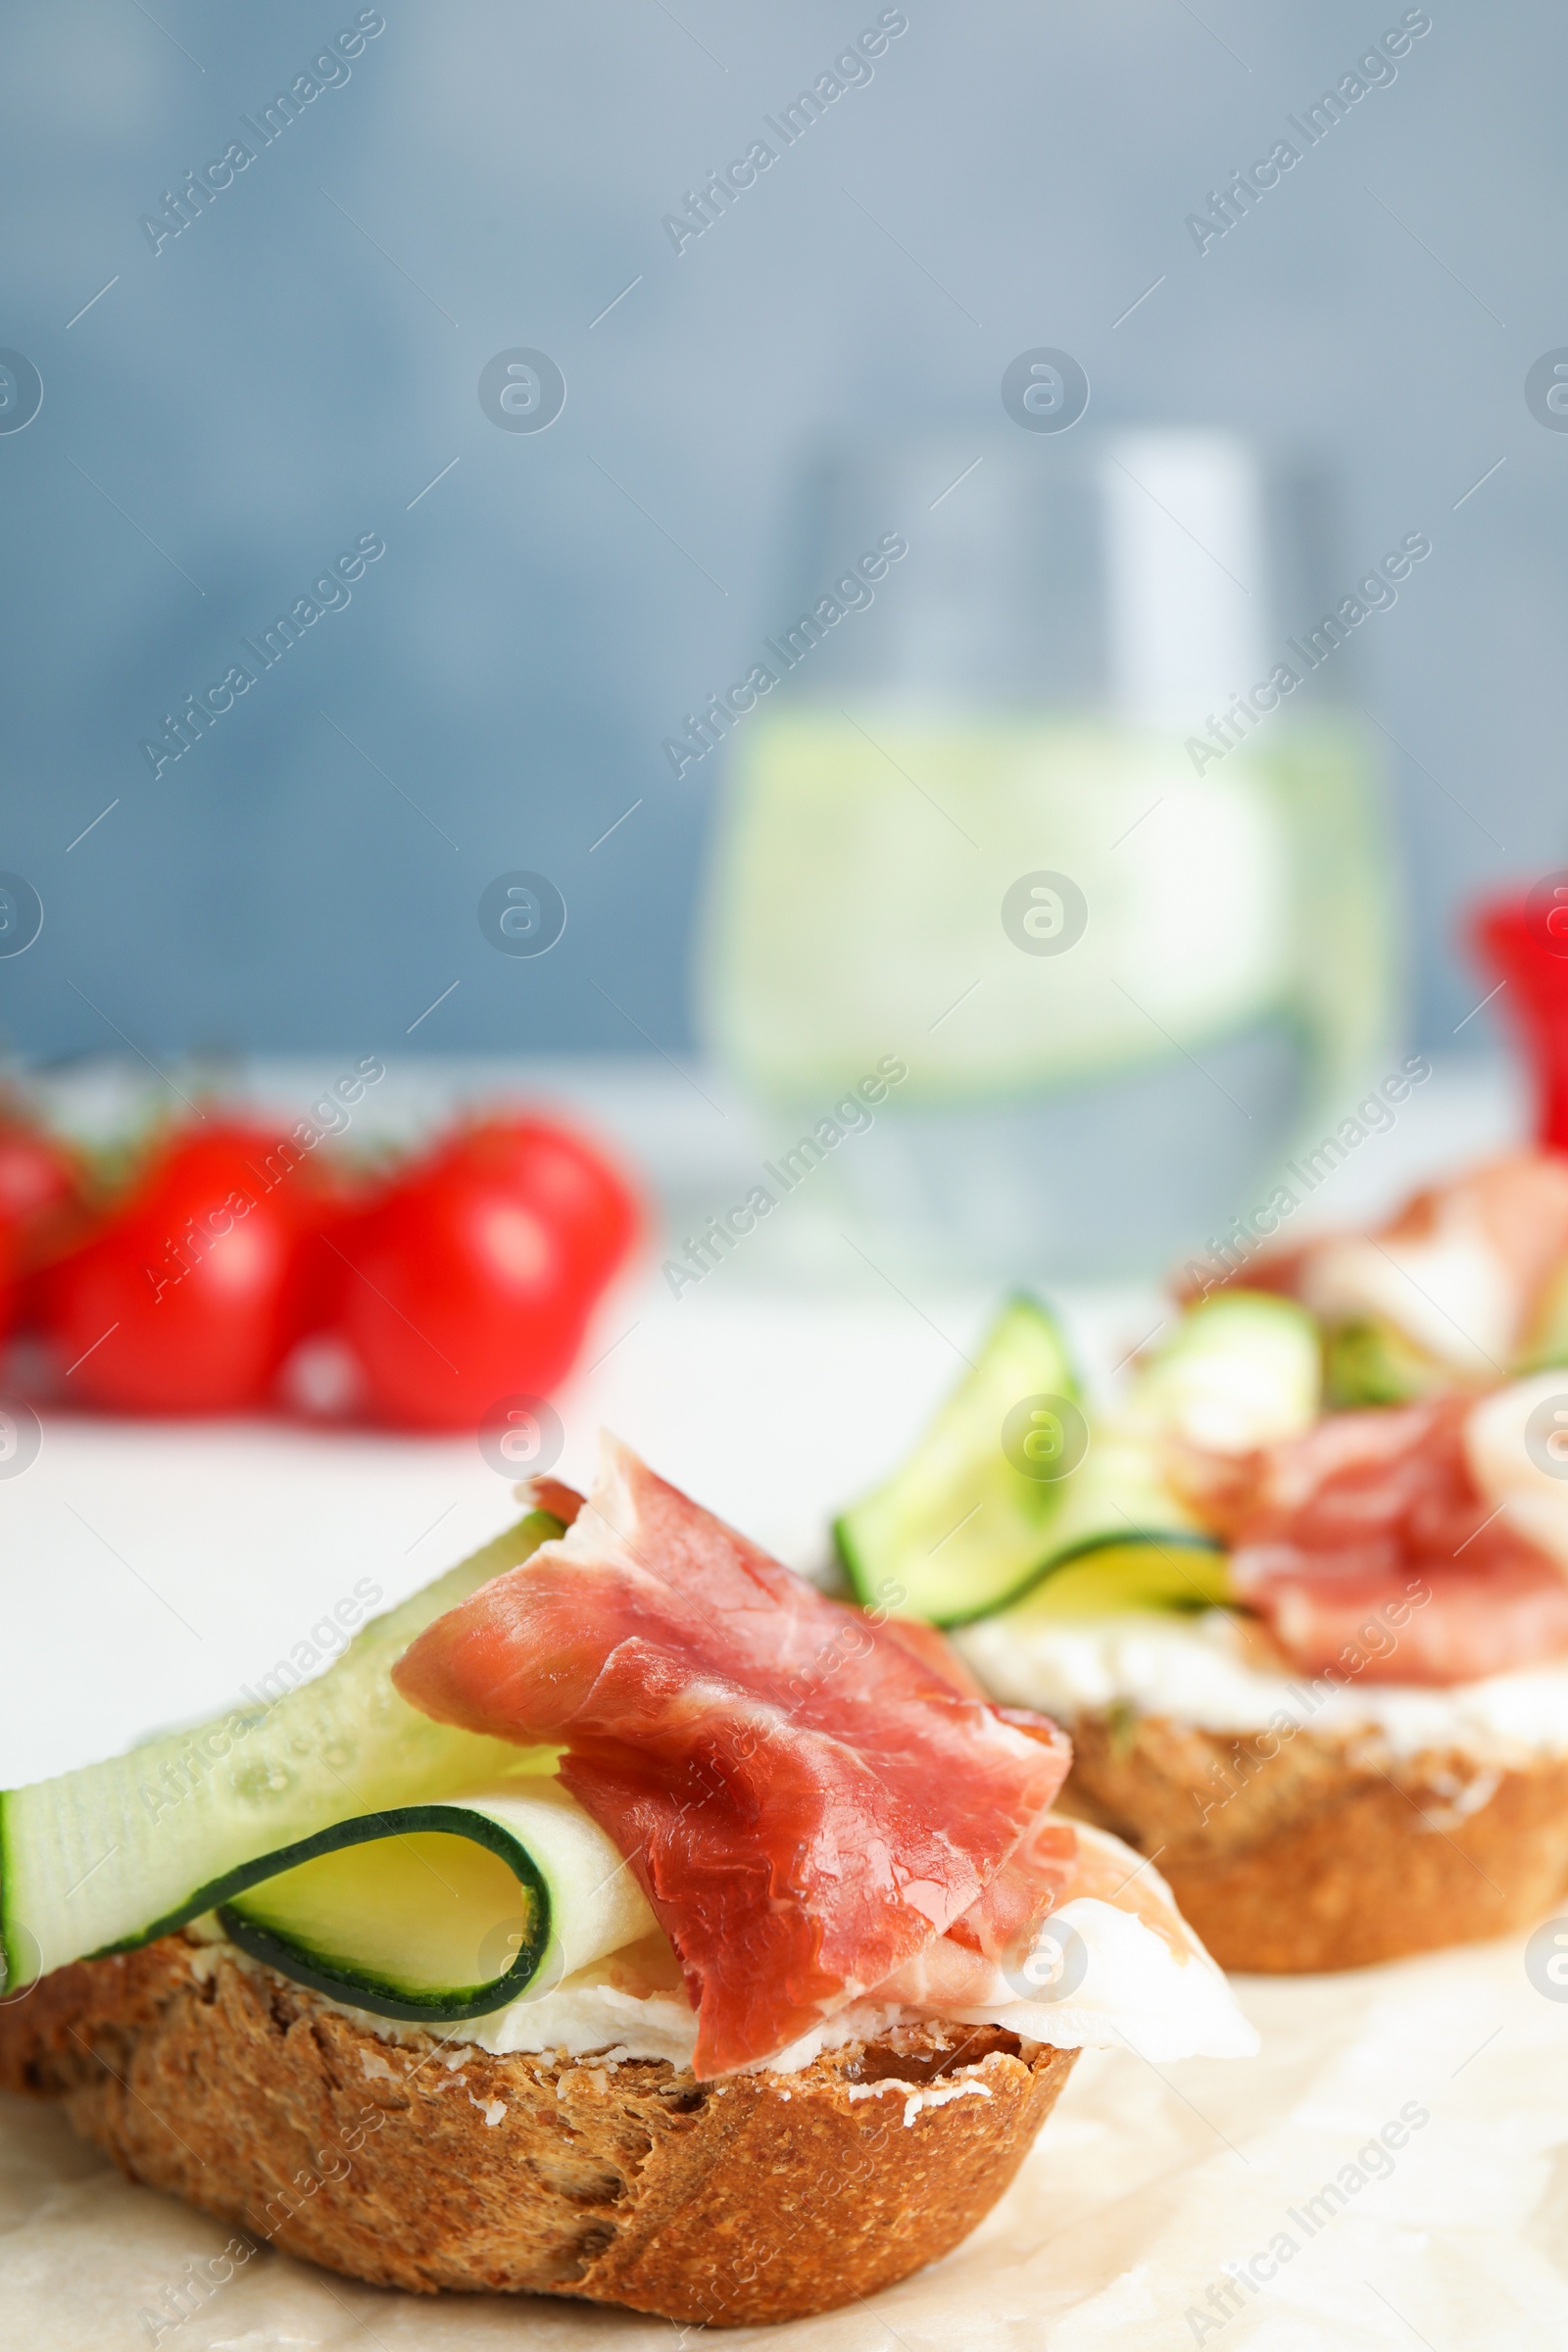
(1218, 1673)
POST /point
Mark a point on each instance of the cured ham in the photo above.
(549, 1494)
(1368, 1547)
(1515, 1209)
(808, 1804)
(1460, 1270)
(932, 1647)
(982, 1961)
(979, 1958)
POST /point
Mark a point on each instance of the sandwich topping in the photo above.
(626, 1785)
(1381, 1512)
(1115, 1967)
(1228, 1541)
(806, 1806)
(1403, 1569)
(1468, 1283)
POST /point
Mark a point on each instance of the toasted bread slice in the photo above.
(429, 2164)
(1318, 1852)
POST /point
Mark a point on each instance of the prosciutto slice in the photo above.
(1367, 1548)
(807, 1803)
(978, 1960)
(933, 1648)
(1461, 1270)
(981, 1963)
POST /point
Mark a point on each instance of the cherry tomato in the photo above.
(329, 1212)
(37, 1172)
(569, 1182)
(476, 1272)
(44, 1189)
(186, 1296)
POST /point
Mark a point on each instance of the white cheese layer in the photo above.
(1215, 1672)
(1134, 1992)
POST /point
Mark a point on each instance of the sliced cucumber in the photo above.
(439, 1912)
(1144, 1572)
(1122, 1516)
(1371, 1361)
(964, 1533)
(1240, 1370)
(116, 1853)
(1150, 1572)
(958, 1529)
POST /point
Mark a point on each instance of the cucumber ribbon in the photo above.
(1016, 1493)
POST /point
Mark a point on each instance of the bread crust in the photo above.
(1317, 1853)
(430, 2166)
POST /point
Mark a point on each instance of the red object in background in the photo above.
(478, 1268)
(327, 1212)
(189, 1292)
(1523, 939)
(43, 1194)
(39, 1176)
(572, 1185)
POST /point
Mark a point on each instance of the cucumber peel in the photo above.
(108, 1857)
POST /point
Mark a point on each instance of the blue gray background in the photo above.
(293, 369)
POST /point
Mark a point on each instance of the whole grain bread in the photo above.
(1319, 1852)
(429, 2164)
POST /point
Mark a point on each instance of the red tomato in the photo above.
(38, 1173)
(477, 1270)
(327, 1212)
(578, 1191)
(186, 1297)
(43, 1188)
